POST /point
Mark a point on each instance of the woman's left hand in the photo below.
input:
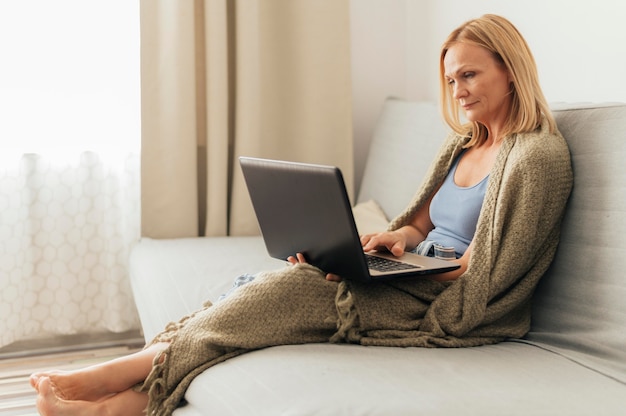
(299, 258)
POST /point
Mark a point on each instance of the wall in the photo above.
(578, 46)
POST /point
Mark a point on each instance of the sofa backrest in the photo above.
(580, 304)
(405, 140)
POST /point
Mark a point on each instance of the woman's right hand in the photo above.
(299, 258)
(392, 241)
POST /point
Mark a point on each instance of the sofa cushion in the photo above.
(369, 217)
(580, 305)
(331, 380)
(172, 278)
(404, 143)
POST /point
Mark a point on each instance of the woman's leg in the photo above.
(294, 305)
(101, 380)
(126, 403)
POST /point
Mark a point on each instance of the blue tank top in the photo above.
(454, 212)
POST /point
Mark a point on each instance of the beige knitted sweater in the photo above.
(516, 238)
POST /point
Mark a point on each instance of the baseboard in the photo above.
(69, 343)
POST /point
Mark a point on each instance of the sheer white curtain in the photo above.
(69, 166)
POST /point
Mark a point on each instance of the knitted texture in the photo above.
(516, 238)
(515, 241)
(295, 305)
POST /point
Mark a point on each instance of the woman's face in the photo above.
(479, 83)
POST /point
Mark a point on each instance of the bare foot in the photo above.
(72, 385)
(102, 381)
(49, 404)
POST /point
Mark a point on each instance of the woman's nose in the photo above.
(459, 91)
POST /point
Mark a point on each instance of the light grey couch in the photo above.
(573, 362)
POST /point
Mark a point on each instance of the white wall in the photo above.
(579, 46)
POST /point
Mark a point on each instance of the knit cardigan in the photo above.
(515, 241)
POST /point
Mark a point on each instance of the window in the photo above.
(69, 165)
(69, 77)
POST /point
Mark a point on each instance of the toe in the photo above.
(44, 386)
(34, 380)
(45, 399)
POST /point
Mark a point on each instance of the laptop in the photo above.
(304, 208)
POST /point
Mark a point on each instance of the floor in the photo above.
(19, 360)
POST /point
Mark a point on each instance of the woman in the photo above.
(510, 166)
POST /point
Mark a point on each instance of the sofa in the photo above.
(572, 362)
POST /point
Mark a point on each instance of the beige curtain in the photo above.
(225, 78)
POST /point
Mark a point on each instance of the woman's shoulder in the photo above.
(541, 144)
(540, 154)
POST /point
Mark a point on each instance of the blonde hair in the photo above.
(503, 40)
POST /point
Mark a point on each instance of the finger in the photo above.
(368, 242)
(397, 249)
(292, 260)
(333, 277)
(301, 258)
(376, 243)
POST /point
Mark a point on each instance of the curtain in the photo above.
(67, 226)
(225, 78)
(69, 166)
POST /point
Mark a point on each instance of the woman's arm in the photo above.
(405, 238)
(408, 237)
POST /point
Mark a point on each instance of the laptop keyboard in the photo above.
(385, 265)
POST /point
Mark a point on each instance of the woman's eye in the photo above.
(450, 81)
(468, 74)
